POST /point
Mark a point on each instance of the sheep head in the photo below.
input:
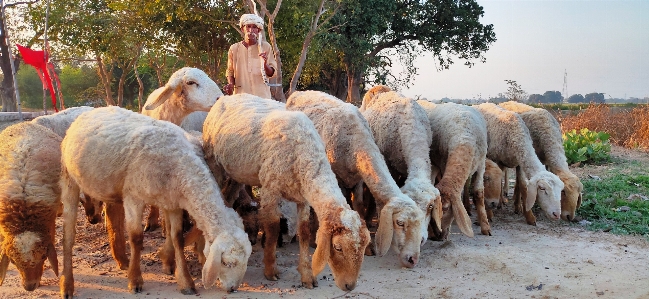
(191, 87)
(570, 196)
(28, 251)
(429, 200)
(227, 260)
(341, 242)
(400, 225)
(546, 187)
(92, 208)
(492, 184)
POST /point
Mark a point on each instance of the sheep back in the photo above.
(61, 121)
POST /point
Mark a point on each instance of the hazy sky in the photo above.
(602, 45)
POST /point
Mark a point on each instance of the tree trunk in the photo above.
(277, 92)
(106, 77)
(353, 85)
(7, 87)
(140, 91)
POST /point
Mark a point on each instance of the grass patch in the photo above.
(618, 202)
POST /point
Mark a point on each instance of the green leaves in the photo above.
(586, 146)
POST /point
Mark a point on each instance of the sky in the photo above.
(602, 46)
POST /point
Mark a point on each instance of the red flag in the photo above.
(38, 60)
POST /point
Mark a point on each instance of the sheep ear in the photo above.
(437, 213)
(4, 264)
(166, 94)
(579, 201)
(461, 216)
(212, 266)
(321, 254)
(383, 237)
(530, 198)
(51, 257)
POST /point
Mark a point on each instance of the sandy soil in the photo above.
(551, 260)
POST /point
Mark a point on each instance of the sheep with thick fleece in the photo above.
(187, 90)
(510, 145)
(548, 145)
(458, 151)
(402, 131)
(257, 142)
(147, 161)
(60, 122)
(30, 166)
(356, 159)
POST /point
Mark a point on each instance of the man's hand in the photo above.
(228, 89)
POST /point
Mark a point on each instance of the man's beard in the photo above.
(251, 36)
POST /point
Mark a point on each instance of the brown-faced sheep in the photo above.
(402, 131)
(458, 152)
(147, 161)
(510, 145)
(355, 159)
(30, 166)
(548, 145)
(257, 142)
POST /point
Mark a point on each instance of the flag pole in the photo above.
(45, 49)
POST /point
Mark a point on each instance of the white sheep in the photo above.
(30, 166)
(147, 161)
(187, 90)
(548, 145)
(458, 151)
(402, 131)
(355, 159)
(510, 145)
(257, 142)
(60, 122)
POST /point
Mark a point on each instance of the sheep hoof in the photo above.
(369, 250)
(135, 288)
(486, 232)
(272, 275)
(149, 227)
(310, 284)
(188, 291)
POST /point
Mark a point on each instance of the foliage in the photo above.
(586, 146)
(594, 97)
(552, 97)
(628, 127)
(515, 92)
(535, 98)
(617, 203)
(576, 98)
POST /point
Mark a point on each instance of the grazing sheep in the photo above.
(30, 166)
(187, 90)
(356, 159)
(458, 151)
(60, 122)
(257, 142)
(548, 145)
(402, 131)
(147, 161)
(510, 145)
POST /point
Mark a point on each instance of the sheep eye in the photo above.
(486, 178)
(337, 247)
(191, 83)
(399, 223)
(430, 207)
(542, 188)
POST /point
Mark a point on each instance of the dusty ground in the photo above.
(551, 260)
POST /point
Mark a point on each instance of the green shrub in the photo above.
(586, 146)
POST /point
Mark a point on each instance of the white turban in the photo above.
(251, 19)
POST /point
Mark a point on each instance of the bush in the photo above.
(586, 146)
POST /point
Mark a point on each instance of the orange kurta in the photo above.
(245, 66)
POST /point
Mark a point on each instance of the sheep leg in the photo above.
(167, 251)
(134, 210)
(520, 197)
(115, 227)
(175, 234)
(152, 221)
(447, 219)
(269, 215)
(70, 199)
(505, 187)
(518, 208)
(478, 199)
(195, 237)
(304, 266)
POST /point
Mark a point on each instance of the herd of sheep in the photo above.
(414, 163)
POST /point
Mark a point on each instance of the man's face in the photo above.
(251, 33)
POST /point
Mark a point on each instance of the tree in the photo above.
(368, 31)
(535, 98)
(552, 97)
(594, 97)
(576, 98)
(515, 92)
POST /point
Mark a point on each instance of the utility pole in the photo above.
(11, 60)
(565, 86)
